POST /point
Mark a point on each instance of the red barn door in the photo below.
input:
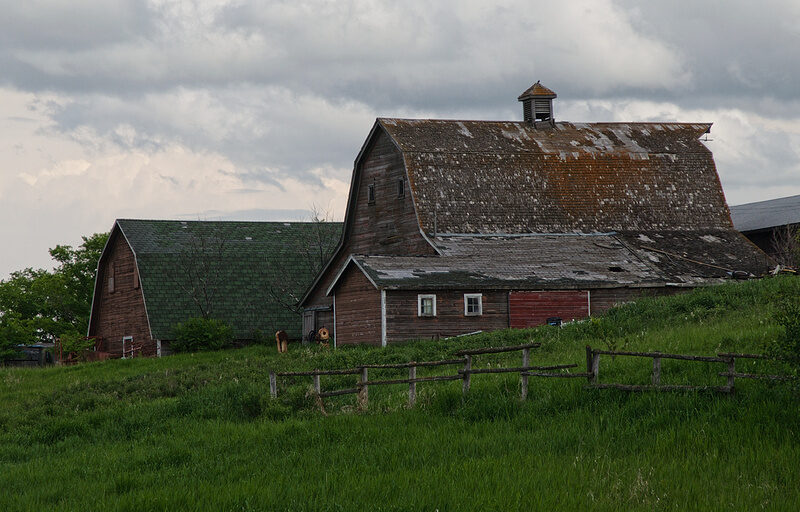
(529, 309)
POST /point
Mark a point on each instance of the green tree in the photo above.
(38, 305)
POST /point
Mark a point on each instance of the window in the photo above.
(371, 194)
(473, 304)
(111, 279)
(401, 188)
(426, 305)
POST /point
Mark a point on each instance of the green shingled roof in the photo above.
(233, 269)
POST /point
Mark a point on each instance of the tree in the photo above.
(37, 305)
(199, 266)
(289, 278)
(786, 243)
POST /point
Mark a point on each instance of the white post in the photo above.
(383, 318)
(334, 320)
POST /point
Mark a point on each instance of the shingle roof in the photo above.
(537, 89)
(511, 177)
(549, 261)
(240, 258)
(766, 214)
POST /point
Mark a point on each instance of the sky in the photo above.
(255, 110)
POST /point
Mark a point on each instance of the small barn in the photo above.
(153, 274)
(773, 225)
(458, 226)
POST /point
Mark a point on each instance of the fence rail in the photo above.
(465, 373)
(729, 358)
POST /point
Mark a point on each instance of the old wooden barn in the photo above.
(153, 274)
(458, 226)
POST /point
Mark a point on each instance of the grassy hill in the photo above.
(199, 432)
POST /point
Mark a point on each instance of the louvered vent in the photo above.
(543, 108)
(537, 104)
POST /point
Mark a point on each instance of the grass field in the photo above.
(199, 432)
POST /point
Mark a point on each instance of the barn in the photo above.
(458, 226)
(153, 274)
(773, 225)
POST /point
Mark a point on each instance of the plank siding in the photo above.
(121, 312)
(404, 324)
(389, 226)
(358, 310)
(529, 309)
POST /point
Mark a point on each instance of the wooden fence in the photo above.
(728, 358)
(464, 374)
(526, 370)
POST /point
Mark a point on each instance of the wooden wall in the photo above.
(402, 322)
(529, 309)
(389, 226)
(358, 309)
(121, 312)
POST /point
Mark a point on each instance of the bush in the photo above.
(201, 334)
(77, 343)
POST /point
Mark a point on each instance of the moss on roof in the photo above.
(233, 270)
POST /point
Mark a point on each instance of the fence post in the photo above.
(595, 367)
(589, 363)
(317, 389)
(363, 392)
(526, 359)
(273, 385)
(467, 374)
(656, 371)
(412, 386)
(731, 371)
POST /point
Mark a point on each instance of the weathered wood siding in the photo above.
(404, 324)
(389, 225)
(358, 310)
(529, 309)
(121, 312)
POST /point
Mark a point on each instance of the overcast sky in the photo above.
(255, 110)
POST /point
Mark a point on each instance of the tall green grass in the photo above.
(199, 432)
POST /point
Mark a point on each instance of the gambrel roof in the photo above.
(651, 187)
(511, 177)
(240, 261)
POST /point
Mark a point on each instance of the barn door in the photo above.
(529, 309)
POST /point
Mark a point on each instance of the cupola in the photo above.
(537, 103)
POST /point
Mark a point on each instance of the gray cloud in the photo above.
(180, 100)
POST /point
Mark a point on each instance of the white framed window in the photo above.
(127, 346)
(473, 304)
(426, 305)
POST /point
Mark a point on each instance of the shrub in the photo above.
(199, 334)
(77, 343)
